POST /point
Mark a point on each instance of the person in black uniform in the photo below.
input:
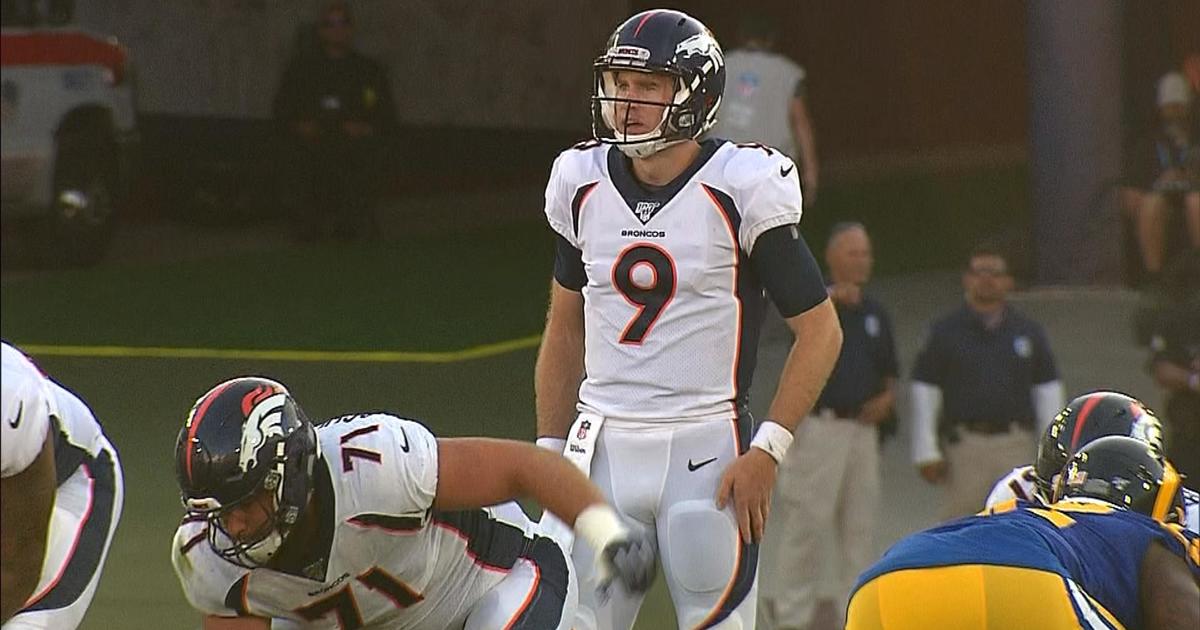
(994, 369)
(1175, 364)
(335, 111)
(827, 496)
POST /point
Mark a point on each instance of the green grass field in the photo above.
(437, 293)
(473, 289)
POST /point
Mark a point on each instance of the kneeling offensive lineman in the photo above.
(368, 520)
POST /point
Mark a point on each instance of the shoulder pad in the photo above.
(753, 162)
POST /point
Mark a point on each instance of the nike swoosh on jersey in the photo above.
(783, 171)
(16, 422)
(404, 445)
(692, 467)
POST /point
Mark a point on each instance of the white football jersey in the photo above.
(391, 562)
(27, 408)
(1019, 484)
(672, 308)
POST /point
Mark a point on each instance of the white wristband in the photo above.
(556, 444)
(773, 438)
(599, 525)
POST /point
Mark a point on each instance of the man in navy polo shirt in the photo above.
(984, 381)
(827, 496)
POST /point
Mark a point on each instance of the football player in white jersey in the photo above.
(1084, 419)
(62, 493)
(367, 520)
(665, 245)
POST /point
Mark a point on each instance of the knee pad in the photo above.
(702, 543)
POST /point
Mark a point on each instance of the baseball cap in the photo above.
(1173, 89)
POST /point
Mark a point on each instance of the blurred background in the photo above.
(159, 186)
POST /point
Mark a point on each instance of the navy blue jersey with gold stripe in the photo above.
(1097, 546)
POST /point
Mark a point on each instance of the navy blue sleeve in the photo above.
(1044, 369)
(885, 346)
(930, 364)
(788, 270)
(568, 264)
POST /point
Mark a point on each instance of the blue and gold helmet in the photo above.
(1125, 472)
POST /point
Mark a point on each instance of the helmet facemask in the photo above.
(287, 488)
(691, 58)
(247, 444)
(674, 126)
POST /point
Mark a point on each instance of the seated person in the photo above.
(1165, 172)
(335, 112)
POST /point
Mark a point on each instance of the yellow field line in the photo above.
(371, 356)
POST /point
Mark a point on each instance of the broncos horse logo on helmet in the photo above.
(1125, 472)
(245, 437)
(668, 42)
(1086, 418)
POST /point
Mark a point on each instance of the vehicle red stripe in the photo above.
(643, 22)
(1083, 415)
(196, 418)
(61, 49)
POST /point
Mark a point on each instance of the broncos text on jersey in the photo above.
(667, 279)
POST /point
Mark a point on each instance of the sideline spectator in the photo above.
(993, 368)
(1165, 173)
(335, 110)
(765, 100)
(1175, 364)
(827, 497)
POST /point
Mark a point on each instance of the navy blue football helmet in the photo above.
(669, 42)
(1125, 472)
(1086, 418)
(243, 438)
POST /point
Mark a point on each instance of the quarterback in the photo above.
(367, 520)
(666, 242)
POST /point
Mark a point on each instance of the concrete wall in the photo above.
(502, 63)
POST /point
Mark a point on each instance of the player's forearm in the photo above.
(556, 484)
(1169, 595)
(24, 526)
(809, 363)
(16, 585)
(557, 375)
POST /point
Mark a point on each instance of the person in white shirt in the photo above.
(765, 100)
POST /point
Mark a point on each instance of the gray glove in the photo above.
(630, 561)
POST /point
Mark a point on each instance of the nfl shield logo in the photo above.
(645, 209)
(584, 427)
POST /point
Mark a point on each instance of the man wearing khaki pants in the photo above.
(827, 495)
(984, 381)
